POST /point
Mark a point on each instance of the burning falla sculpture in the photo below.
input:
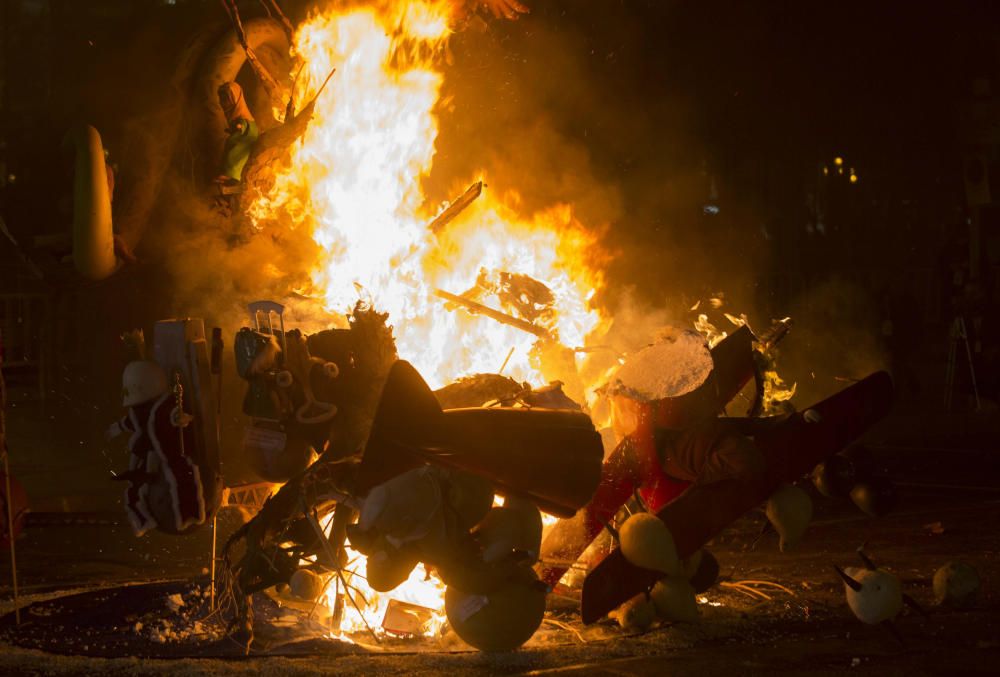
(698, 473)
(408, 482)
(405, 481)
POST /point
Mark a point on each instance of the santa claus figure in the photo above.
(165, 489)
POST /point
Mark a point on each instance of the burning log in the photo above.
(773, 335)
(457, 207)
(270, 83)
(502, 318)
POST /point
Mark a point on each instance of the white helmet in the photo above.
(142, 381)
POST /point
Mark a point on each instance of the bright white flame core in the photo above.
(419, 588)
(355, 182)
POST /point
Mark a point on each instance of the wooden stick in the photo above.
(211, 574)
(216, 368)
(272, 6)
(456, 207)
(8, 497)
(506, 360)
(271, 85)
(10, 534)
(502, 318)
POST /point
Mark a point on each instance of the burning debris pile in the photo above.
(387, 520)
(385, 514)
(406, 483)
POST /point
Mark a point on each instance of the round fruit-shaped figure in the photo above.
(789, 510)
(279, 464)
(306, 585)
(636, 615)
(834, 477)
(877, 497)
(956, 584)
(707, 573)
(502, 620)
(470, 496)
(878, 597)
(387, 570)
(647, 542)
(531, 522)
(514, 529)
(674, 599)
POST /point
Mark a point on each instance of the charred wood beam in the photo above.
(273, 9)
(269, 82)
(493, 314)
(773, 335)
(456, 207)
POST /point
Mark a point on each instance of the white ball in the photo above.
(880, 597)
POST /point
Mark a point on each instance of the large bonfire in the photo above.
(354, 181)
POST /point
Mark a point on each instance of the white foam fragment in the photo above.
(675, 365)
(175, 601)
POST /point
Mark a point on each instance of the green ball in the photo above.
(877, 497)
(306, 585)
(500, 621)
(956, 584)
(675, 600)
(834, 477)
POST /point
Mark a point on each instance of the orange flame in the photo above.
(354, 181)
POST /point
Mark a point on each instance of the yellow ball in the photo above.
(470, 496)
(502, 620)
(674, 600)
(956, 584)
(646, 542)
(305, 584)
(517, 527)
(385, 571)
(789, 510)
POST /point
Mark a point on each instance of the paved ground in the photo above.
(948, 470)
